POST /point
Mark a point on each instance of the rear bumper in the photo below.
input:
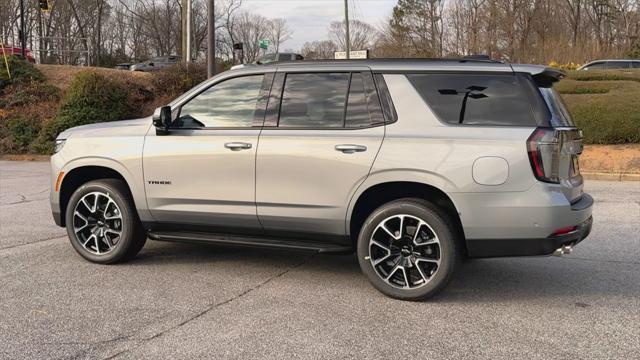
(484, 248)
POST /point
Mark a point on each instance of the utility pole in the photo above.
(23, 35)
(189, 57)
(211, 38)
(346, 21)
(183, 32)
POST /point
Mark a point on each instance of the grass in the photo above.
(605, 104)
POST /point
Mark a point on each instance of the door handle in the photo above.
(350, 148)
(237, 146)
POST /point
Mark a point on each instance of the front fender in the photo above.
(131, 172)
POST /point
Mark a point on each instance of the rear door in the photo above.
(323, 129)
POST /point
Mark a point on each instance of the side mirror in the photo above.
(162, 120)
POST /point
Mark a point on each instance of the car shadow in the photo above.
(481, 280)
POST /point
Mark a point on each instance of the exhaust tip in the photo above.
(563, 250)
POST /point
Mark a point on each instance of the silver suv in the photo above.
(412, 164)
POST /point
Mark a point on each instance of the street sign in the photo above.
(264, 43)
(353, 54)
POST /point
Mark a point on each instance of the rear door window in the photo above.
(611, 65)
(357, 112)
(314, 100)
(476, 99)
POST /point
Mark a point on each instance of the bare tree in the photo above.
(280, 33)
(323, 49)
(249, 29)
(361, 35)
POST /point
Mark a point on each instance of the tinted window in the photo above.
(470, 99)
(231, 103)
(560, 116)
(598, 65)
(636, 64)
(388, 109)
(618, 64)
(357, 112)
(314, 100)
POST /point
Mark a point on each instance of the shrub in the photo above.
(90, 98)
(23, 94)
(19, 133)
(584, 90)
(21, 71)
(138, 96)
(607, 75)
(604, 105)
(179, 78)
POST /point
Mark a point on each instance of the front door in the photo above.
(203, 171)
(316, 151)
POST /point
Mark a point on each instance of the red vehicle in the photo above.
(17, 51)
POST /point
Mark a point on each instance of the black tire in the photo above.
(132, 237)
(447, 250)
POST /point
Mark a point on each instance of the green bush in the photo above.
(19, 133)
(605, 75)
(179, 78)
(90, 98)
(21, 71)
(584, 90)
(604, 105)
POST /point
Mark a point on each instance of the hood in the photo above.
(112, 128)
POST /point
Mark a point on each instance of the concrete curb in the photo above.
(589, 175)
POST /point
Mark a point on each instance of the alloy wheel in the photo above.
(97, 223)
(404, 251)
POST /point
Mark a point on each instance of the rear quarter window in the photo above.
(476, 99)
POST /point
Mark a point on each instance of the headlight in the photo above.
(59, 145)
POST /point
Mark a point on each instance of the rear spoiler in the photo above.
(542, 75)
(549, 76)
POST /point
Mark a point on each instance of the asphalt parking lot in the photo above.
(193, 301)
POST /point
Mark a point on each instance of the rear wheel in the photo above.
(407, 249)
(102, 223)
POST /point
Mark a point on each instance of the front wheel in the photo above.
(102, 222)
(407, 249)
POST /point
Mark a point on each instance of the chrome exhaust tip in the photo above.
(564, 250)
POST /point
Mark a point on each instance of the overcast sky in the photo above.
(309, 19)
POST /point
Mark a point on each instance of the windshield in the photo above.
(560, 116)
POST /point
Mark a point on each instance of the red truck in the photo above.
(17, 51)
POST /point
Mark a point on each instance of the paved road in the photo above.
(188, 301)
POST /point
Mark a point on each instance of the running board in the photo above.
(222, 239)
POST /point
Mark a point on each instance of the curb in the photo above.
(610, 176)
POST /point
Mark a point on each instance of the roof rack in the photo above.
(465, 59)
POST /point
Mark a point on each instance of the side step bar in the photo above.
(235, 240)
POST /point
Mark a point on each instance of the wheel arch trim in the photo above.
(409, 176)
(137, 190)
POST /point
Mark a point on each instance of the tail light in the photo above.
(543, 147)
